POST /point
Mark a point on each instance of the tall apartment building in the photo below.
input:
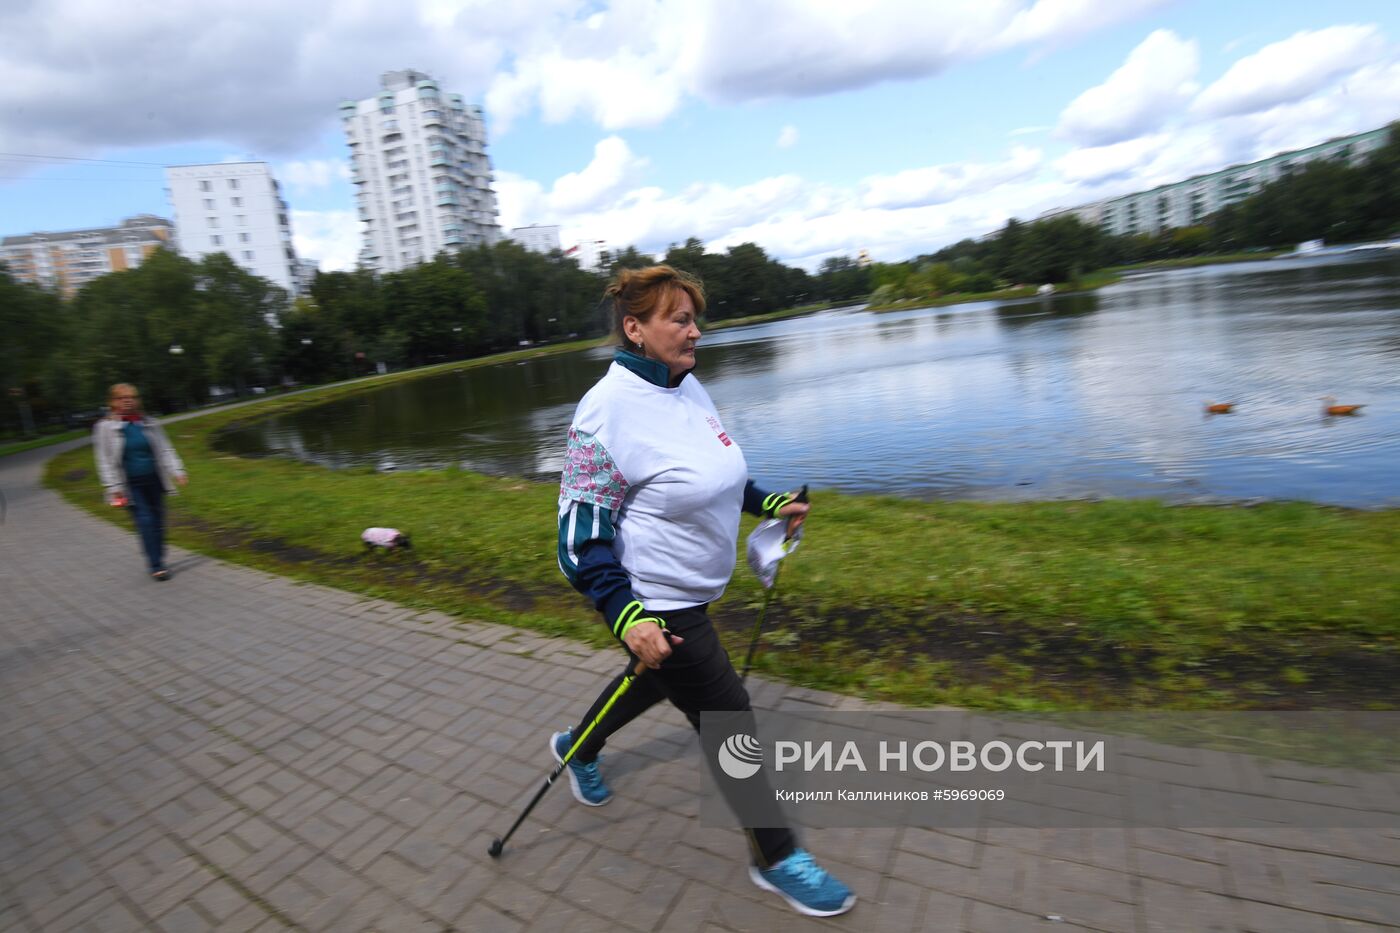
(234, 208)
(1188, 202)
(69, 260)
(537, 238)
(419, 165)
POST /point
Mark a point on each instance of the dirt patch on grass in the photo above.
(995, 653)
(1004, 655)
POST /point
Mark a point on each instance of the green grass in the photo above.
(798, 311)
(1192, 261)
(1087, 282)
(957, 298)
(1112, 604)
(41, 441)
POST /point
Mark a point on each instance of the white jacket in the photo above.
(109, 443)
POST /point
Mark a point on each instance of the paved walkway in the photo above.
(235, 751)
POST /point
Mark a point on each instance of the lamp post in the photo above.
(26, 416)
(177, 351)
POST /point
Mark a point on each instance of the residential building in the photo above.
(1188, 202)
(537, 238)
(68, 260)
(589, 253)
(234, 208)
(306, 274)
(419, 165)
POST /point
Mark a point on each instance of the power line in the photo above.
(10, 156)
(144, 181)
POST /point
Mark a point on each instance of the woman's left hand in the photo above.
(796, 514)
(182, 479)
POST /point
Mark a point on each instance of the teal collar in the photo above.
(653, 371)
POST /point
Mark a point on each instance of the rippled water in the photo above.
(1064, 397)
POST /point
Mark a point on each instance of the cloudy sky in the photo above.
(812, 127)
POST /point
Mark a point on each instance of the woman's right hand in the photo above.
(650, 643)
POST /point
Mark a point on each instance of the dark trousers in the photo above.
(698, 676)
(147, 503)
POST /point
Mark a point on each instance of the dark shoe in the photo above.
(162, 575)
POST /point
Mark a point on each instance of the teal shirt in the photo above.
(138, 460)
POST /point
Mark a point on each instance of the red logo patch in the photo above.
(719, 432)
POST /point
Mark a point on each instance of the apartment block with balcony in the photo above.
(1188, 202)
(68, 260)
(235, 208)
(422, 178)
(537, 238)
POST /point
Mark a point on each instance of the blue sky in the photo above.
(813, 128)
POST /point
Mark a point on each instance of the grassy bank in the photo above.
(1043, 605)
(1193, 261)
(1087, 282)
(798, 311)
(44, 440)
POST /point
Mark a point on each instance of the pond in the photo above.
(1066, 396)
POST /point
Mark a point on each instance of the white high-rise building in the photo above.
(234, 208)
(423, 181)
(537, 238)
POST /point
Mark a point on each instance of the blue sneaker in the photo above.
(585, 779)
(805, 885)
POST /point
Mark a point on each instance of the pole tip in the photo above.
(496, 848)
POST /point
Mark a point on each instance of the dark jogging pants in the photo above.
(146, 499)
(698, 676)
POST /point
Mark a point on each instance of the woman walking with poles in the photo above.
(648, 522)
(137, 467)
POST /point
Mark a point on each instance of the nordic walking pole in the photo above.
(767, 598)
(758, 626)
(499, 844)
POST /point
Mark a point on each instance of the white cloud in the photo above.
(1096, 164)
(787, 137)
(1058, 21)
(613, 166)
(938, 184)
(624, 90)
(310, 174)
(633, 62)
(1153, 84)
(265, 75)
(1290, 70)
(522, 201)
(332, 238)
(793, 218)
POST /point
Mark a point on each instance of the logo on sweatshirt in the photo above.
(719, 432)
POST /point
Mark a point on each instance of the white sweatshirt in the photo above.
(656, 463)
